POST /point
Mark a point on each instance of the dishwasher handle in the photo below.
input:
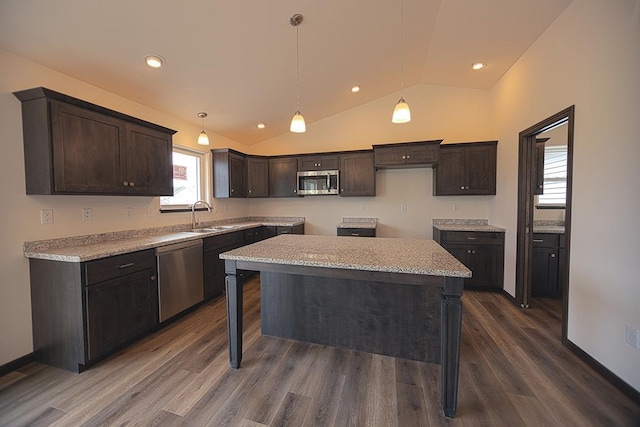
(178, 246)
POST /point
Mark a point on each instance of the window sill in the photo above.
(550, 207)
(179, 209)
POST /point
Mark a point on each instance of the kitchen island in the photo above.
(397, 297)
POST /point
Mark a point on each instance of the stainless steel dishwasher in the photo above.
(180, 283)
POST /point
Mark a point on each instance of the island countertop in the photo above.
(392, 255)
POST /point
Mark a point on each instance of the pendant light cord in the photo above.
(297, 71)
(401, 48)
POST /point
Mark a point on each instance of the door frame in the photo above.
(526, 188)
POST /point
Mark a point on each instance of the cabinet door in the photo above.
(480, 162)
(318, 163)
(485, 262)
(148, 162)
(539, 169)
(544, 281)
(282, 177)
(421, 154)
(257, 177)
(237, 175)
(357, 175)
(449, 175)
(118, 310)
(86, 150)
(389, 156)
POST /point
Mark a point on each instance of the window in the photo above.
(555, 177)
(188, 179)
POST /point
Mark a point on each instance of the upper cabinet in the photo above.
(257, 176)
(283, 177)
(407, 154)
(466, 169)
(357, 174)
(318, 163)
(75, 147)
(229, 173)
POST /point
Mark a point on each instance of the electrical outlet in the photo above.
(46, 216)
(87, 215)
(363, 207)
(456, 207)
(128, 212)
(632, 336)
(403, 207)
(214, 208)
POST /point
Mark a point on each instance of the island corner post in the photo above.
(450, 323)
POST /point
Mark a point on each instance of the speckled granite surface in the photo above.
(350, 222)
(548, 226)
(94, 246)
(414, 256)
(466, 225)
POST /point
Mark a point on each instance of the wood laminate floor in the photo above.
(514, 372)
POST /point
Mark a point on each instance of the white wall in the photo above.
(590, 57)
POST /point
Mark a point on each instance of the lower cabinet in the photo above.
(82, 312)
(547, 267)
(357, 232)
(481, 252)
(214, 275)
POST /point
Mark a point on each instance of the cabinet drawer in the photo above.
(546, 240)
(472, 237)
(223, 240)
(357, 232)
(119, 265)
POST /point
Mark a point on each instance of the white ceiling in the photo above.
(236, 60)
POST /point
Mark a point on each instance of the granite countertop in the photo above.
(87, 248)
(349, 222)
(413, 256)
(466, 225)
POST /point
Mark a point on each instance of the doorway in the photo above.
(528, 183)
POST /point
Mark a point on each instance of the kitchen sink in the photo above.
(213, 229)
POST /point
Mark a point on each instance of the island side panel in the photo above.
(233, 285)
(399, 320)
(451, 329)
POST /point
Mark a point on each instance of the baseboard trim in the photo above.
(16, 364)
(615, 380)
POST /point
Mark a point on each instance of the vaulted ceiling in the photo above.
(236, 60)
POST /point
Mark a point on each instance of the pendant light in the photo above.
(297, 122)
(401, 114)
(203, 139)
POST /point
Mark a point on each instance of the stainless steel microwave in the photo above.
(318, 182)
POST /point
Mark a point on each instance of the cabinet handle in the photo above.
(126, 265)
(249, 191)
(462, 188)
(408, 157)
(553, 255)
(472, 238)
(232, 190)
(152, 277)
(404, 157)
(538, 240)
(295, 191)
(125, 183)
(468, 251)
(473, 251)
(355, 234)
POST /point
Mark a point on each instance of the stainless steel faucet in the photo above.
(194, 223)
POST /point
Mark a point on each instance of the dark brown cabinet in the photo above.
(481, 252)
(229, 173)
(272, 230)
(282, 177)
(547, 267)
(82, 312)
(257, 176)
(466, 169)
(318, 163)
(357, 174)
(75, 147)
(357, 232)
(213, 265)
(407, 154)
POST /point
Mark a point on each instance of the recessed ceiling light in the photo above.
(261, 126)
(355, 89)
(154, 61)
(478, 65)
